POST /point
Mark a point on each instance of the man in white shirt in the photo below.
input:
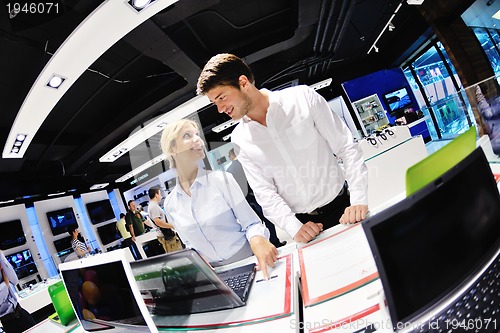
(290, 143)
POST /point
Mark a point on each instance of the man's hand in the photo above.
(308, 231)
(265, 252)
(353, 214)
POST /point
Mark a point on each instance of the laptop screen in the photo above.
(429, 243)
(181, 282)
(102, 295)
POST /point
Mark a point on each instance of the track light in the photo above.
(391, 27)
(140, 4)
(375, 48)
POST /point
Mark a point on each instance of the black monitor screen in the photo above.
(397, 100)
(11, 234)
(433, 240)
(60, 220)
(108, 233)
(100, 211)
(63, 245)
(23, 263)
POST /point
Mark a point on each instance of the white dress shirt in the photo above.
(291, 164)
(216, 219)
(8, 297)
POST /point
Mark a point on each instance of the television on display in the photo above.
(11, 234)
(23, 263)
(397, 100)
(108, 233)
(63, 245)
(60, 220)
(100, 211)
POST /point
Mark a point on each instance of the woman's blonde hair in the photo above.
(170, 133)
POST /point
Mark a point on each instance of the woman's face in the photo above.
(189, 145)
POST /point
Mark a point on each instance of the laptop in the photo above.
(434, 165)
(183, 282)
(64, 311)
(437, 252)
(104, 295)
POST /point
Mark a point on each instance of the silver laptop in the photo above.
(104, 295)
(183, 282)
(437, 252)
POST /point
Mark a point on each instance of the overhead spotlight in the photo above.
(140, 4)
(16, 147)
(375, 48)
(391, 27)
(55, 81)
(415, 2)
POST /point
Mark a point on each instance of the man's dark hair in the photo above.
(122, 215)
(223, 69)
(71, 229)
(128, 203)
(152, 192)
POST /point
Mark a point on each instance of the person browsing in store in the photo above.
(78, 246)
(207, 208)
(134, 220)
(290, 144)
(14, 318)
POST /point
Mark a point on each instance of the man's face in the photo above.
(133, 206)
(230, 100)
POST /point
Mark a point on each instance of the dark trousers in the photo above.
(18, 321)
(329, 215)
(273, 238)
(133, 248)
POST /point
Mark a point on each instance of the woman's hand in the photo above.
(265, 252)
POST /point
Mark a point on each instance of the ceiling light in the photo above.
(375, 48)
(391, 27)
(154, 127)
(227, 137)
(225, 125)
(74, 60)
(98, 186)
(322, 84)
(496, 15)
(140, 4)
(7, 201)
(20, 137)
(141, 168)
(16, 146)
(415, 2)
(55, 81)
(374, 45)
(55, 194)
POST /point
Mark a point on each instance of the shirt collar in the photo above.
(201, 178)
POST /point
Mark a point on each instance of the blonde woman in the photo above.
(207, 208)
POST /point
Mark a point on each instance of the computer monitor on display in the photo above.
(433, 166)
(11, 234)
(60, 220)
(23, 263)
(440, 246)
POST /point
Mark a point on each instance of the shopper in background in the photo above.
(134, 220)
(14, 318)
(236, 169)
(207, 208)
(289, 143)
(166, 235)
(127, 237)
(78, 246)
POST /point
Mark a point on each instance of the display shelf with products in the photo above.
(370, 114)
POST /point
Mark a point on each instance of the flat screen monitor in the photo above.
(397, 100)
(108, 233)
(60, 220)
(11, 234)
(100, 211)
(23, 263)
(63, 245)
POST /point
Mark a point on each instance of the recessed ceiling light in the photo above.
(98, 186)
(140, 4)
(55, 81)
(496, 15)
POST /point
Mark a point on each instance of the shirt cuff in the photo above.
(257, 229)
(293, 226)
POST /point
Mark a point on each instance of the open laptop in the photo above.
(437, 252)
(64, 311)
(183, 282)
(104, 295)
(434, 165)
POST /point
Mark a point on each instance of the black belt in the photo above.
(13, 315)
(332, 204)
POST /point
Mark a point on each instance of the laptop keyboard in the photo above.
(478, 310)
(239, 279)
